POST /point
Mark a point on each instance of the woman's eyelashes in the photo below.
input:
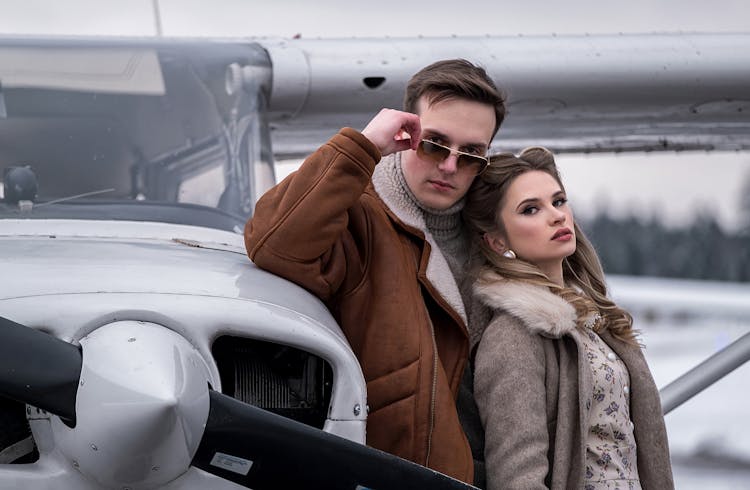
(532, 209)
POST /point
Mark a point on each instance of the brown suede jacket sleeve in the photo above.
(299, 230)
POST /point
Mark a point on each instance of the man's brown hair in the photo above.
(457, 78)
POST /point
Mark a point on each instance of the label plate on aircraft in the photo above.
(231, 463)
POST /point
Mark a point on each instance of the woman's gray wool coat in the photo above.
(534, 393)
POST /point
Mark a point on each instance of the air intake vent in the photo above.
(275, 377)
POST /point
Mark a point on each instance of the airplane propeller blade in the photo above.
(240, 443)
(261, 450)
(39, 369)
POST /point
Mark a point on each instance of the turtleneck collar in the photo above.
(444, 224)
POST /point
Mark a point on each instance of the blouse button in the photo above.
(611, 356)
(626, 389)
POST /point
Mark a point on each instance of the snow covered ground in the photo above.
(709, 435)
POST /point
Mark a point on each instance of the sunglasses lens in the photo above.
(433, 151)
(475, 163)
(438, 153)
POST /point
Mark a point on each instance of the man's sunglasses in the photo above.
(429, 150)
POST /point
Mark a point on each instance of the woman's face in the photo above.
(538, 222)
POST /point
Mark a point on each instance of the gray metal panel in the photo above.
(572, 93)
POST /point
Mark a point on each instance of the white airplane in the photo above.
(140, 348)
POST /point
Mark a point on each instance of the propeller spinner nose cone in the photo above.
(141, 407)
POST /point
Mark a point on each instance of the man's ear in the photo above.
(495, 242)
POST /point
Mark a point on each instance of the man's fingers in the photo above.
(391, 130)
(413, 128)
(401, 145)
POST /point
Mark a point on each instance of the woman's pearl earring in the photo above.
(509, 254)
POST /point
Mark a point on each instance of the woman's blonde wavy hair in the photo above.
(582, 271)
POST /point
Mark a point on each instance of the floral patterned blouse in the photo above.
(610, 446)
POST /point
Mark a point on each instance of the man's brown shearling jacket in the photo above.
(327, 228)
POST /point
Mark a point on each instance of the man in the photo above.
(362, 223)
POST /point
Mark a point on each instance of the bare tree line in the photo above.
(700, 250)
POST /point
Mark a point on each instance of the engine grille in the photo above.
(278, 378)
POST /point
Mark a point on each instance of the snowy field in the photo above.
(709, 435)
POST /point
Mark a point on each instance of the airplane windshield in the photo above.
(130, 131)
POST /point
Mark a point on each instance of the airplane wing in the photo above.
(593, 93)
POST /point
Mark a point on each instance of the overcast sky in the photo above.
(672, 186)
(337, 18)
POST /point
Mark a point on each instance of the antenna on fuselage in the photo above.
(157, 18)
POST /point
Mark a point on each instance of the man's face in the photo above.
(460, 124)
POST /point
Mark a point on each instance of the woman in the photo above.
(564, 392)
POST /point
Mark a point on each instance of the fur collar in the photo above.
(391, 192)
(540, 310)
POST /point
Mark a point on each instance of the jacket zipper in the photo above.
(433, 391)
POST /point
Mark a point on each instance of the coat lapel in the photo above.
(403, 208)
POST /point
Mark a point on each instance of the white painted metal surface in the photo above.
(73, 278)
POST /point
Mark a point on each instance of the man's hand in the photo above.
(391, 131)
